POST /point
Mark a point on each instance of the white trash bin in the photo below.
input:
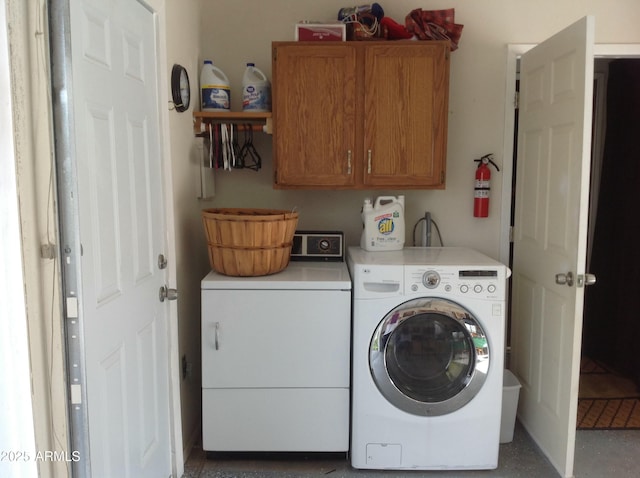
(510, 394)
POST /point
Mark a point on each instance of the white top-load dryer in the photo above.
(275, 360)
(428, 355)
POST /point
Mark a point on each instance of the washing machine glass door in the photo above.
(429, 356)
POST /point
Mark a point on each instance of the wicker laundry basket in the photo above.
(249, 242)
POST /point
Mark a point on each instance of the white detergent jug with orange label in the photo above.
(383, 224)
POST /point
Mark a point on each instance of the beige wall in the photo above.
(234, 32)
(182, 47)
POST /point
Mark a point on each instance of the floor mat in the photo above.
(589, 366)
(607, 386)
(608, 414)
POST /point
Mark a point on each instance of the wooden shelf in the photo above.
(257, 121)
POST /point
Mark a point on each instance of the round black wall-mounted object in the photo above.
(180, 88)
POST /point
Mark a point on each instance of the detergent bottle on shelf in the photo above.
(383, 224)
(214, 88)
(256, 90)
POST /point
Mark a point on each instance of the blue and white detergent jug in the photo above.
(383, 224)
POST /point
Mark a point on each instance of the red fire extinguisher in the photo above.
(483, 186)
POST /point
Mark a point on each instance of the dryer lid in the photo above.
(297, 276)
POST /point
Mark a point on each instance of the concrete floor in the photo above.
(614, 453)
(598, 454)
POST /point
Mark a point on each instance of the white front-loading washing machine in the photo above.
(428, 355)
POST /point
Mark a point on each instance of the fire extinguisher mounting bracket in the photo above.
(486, 159)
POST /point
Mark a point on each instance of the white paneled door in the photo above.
(552, 184)
(121, 215)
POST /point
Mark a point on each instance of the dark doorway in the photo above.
(612, 306)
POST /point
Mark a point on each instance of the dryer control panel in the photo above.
(485, 283)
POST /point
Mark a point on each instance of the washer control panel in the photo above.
(431, 279)
(488, 283)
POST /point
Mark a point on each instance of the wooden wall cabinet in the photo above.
(360, 115)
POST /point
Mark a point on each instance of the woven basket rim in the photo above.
(250, 248)
(243, 214)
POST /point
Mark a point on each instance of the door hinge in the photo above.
(441, 177)
(516, 100)
(511, 234)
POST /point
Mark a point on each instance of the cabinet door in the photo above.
(405, 114)
(314, 115)
(275, 339)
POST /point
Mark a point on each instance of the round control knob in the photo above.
(414, 287)
(491, 288)
(324, 245)
(477, 288)
(464, 288)
(431, 279)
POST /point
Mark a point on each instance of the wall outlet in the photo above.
(185, 367)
